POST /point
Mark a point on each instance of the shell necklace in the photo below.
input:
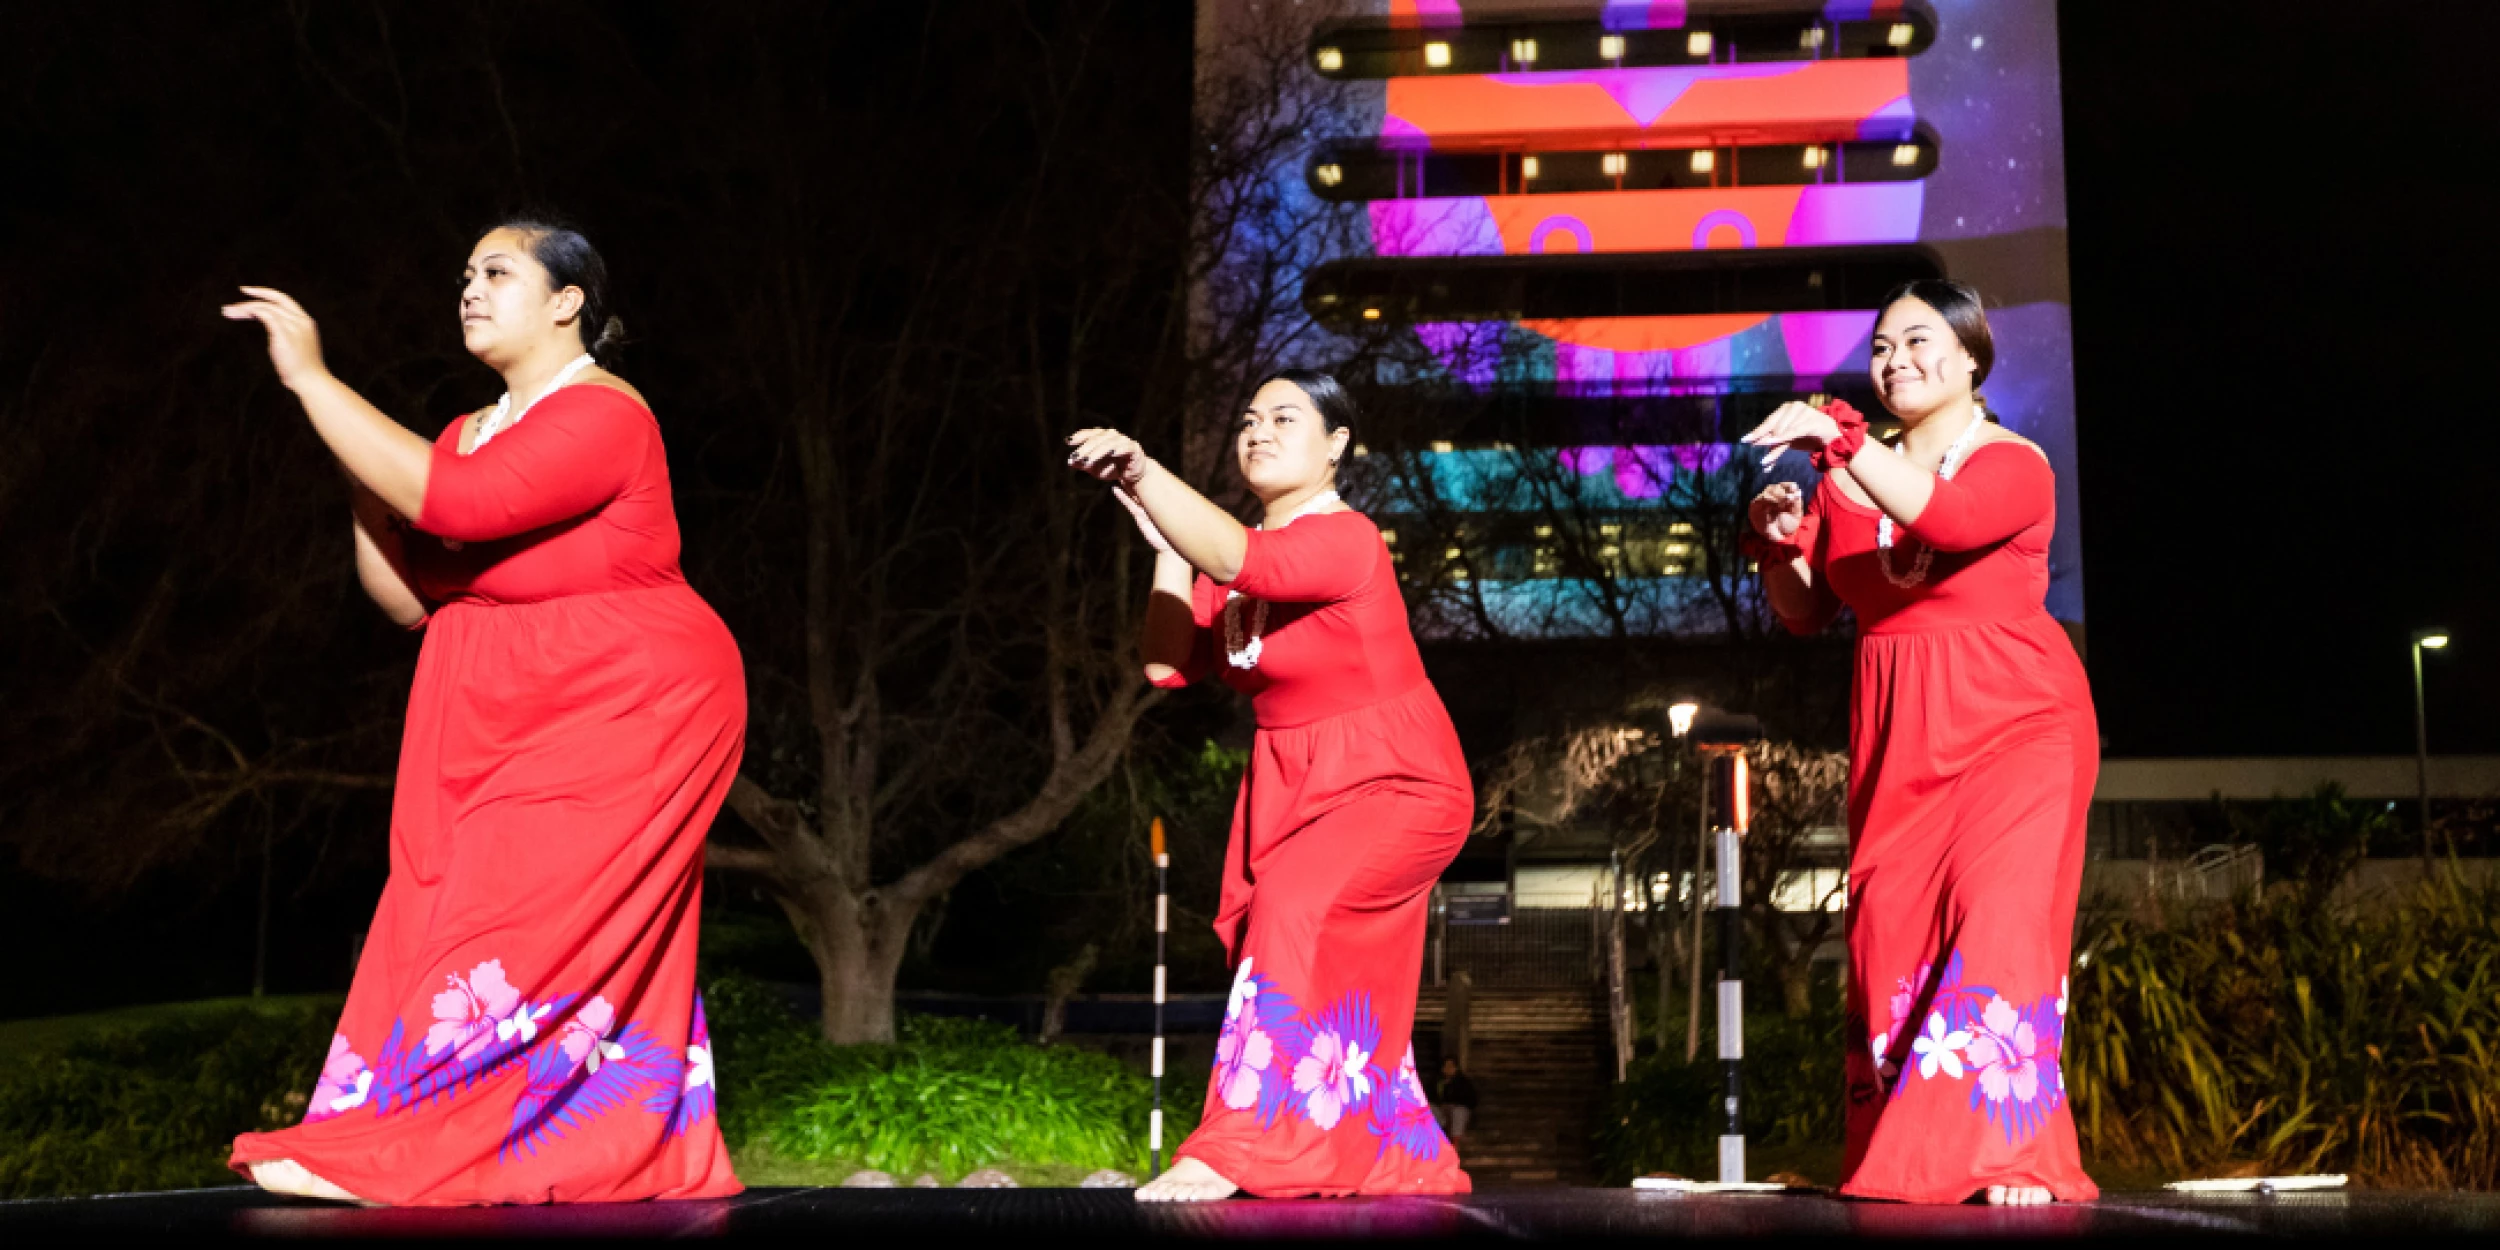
(1926, 554)
(504, 417)
(1242, 650)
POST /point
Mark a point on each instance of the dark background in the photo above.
(2279, 252)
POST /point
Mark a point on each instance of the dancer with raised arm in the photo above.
(523, 1025)
(1356, 798)
(1972, 753)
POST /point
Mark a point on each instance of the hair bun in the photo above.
(611, 336)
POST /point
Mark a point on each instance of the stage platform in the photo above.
(1020, 1217)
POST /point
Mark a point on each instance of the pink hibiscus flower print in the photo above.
(1243, 1051)
(1330, 1078)
(467, 1014)
(345, 1081)
(2006, 1054)
(585, 1036)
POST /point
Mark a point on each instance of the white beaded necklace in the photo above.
(1243, 652)
(504, 417)
(1926, 555)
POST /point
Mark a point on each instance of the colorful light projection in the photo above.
(1971, 119)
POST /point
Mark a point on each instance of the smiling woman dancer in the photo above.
(523, 1025)
(1972, 753)
(1356, 798)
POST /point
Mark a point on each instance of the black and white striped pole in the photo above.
(1163, 925)
(1727, 772)
(1721, 738)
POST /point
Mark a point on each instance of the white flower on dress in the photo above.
(698, 1066)
(1940, 1049)
(1331, 1078)
(355, 1099)
(522, 1023)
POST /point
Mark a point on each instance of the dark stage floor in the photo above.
(1098, 1217)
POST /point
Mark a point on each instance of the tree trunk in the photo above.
(858, 951)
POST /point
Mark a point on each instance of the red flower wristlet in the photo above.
(1841, 450)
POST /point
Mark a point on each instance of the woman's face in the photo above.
(505, 307)
(1918, 364)
(1282, 444)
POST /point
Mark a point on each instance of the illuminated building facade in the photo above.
(1644, 225)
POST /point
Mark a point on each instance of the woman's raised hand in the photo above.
(1145, 524)
(1108, 454)
(294, 341)
(1796, 424)
(1778, 511)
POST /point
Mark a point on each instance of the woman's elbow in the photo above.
(1165, 676)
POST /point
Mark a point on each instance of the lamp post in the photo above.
(2425, 640)
(1722, 741)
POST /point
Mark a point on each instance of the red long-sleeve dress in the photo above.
(1356, 797)
(1973, 749)
(523, 1025)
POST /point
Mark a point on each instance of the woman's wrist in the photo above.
(1765, 550)
(1838, 450)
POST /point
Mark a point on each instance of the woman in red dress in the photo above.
(523, 1026)
(1973, 749)
(1356, 798)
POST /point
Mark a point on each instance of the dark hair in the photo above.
(1336, 407)
(1958, 304)
(570, 260)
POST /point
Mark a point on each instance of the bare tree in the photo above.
(961, 666)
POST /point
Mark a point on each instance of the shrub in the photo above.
(1665, 1115)
(2288, 1037)
(949, 1097)
(154, 1106)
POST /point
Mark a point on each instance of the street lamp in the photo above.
(2425, 640)
(1680, 717)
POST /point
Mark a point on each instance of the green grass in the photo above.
(151, 1097)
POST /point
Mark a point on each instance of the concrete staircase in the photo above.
(1539, 1061)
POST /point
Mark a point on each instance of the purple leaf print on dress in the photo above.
(692, 1100)
(2011, 1050)
(583, 1073)
(467, 1014)
(345, 1083)
(1244, 1052)
(1402, 1115)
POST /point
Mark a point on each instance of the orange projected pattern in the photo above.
(1645, 221)
(1754, 104)
(1645, 334)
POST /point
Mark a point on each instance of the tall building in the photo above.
(1621, 232)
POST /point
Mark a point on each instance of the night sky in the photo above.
(2282, 269)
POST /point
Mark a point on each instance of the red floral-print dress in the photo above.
(1357, 796)
(523, 1026)
(1973, 749)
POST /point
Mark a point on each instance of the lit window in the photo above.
(1390, 537)
(1545, 531)
(1331, 60)
(1905, 154)
(1697, 43)
(1527, 167)
(1437, 55)
(1610, 47)
(1614, 163)
(1811, 37)
(1679, 549)
(1452, 554)
(1371, 314)
(1681, 529)
(1443, 445)
(1901, 34)
(1361, 451)
(1705, 160)
(1331, 175)
(1671, 570)
(1814, 158)
(1523, 51)
(1610, 529)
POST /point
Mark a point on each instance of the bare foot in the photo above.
(2018, 1196)
(1187, 1180)
(286, 1176)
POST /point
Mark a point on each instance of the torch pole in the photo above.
(1163, 925)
